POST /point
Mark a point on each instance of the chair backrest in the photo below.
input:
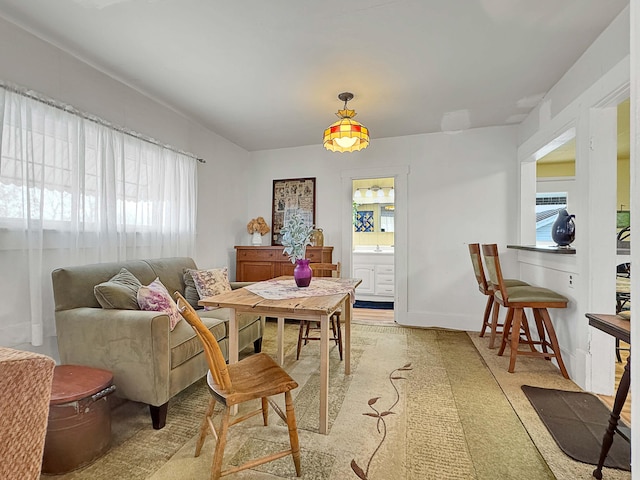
(476, 260)
(215, 359)
(494, 271)
(334, 267)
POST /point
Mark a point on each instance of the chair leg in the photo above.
(494, 323)
(487, 314)
(300, 333)
(554, 341)
(204, 429)
(333, 329)
(216, 467)
(515, 338)
(339, 340)
(306, 332)
(541, 331)
(527, 331)
(293, 432)
(265, 410)
(505, 329)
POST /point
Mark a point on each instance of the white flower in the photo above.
(296, 235)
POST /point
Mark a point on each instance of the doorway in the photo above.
(373, 247)
(399, 175)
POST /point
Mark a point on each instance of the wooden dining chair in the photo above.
(257, 376)
(486, 289)
(516, 300)
(306, 332)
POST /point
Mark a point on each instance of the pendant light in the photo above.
(346, 135)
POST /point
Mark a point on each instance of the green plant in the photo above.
(296, 235)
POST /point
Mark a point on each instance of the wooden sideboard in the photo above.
(254, 264)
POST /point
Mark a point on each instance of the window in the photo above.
(58, 168)
(547, 207)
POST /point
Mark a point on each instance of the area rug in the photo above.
(419, 404)
(577, 421)
(539, 373)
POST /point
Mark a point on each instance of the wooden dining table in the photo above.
(306, 306)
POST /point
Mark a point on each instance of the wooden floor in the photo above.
(625, 415)
(371, 315)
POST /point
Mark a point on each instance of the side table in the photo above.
(621, 330)
(79, 428)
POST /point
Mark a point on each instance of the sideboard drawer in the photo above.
(257, 255)
(314, 256)
(258, 263)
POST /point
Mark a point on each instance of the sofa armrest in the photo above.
(132, 344)
(236, 285)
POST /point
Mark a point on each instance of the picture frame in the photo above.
(289, 195)
(623, 218)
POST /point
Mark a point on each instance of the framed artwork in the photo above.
(290, 195)
(623, 218)
(364, 221)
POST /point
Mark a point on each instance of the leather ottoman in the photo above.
(79, 429)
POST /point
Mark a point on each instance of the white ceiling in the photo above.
(266, 73)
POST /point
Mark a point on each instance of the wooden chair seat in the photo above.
(516, 299)
(253, 377)
(257, 376)
(305, 333)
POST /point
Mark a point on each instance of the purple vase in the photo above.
(302, 273)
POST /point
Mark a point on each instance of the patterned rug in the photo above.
(420, 404)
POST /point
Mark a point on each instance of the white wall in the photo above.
(222, 203)
(462, 188)
(585, 98)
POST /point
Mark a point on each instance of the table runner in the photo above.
(278, 289)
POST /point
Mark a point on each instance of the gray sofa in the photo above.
(150, 363)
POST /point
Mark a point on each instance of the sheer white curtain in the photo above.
(73, 191)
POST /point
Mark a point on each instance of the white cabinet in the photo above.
(377, 274)
(385, 280)
(367, 274)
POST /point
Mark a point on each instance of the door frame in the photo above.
(400, 175)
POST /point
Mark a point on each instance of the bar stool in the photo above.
(517, 299)
(486, 289)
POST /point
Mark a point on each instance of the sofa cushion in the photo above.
(119, 292)
(190, 292)
(73, 286)
(169, 270)
(185, 344)
(155, 297)
(211, 282)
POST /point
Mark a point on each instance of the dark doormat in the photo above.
(577, 422)
(376, 305)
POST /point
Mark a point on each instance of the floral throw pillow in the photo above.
(211, 282)
(155, 298)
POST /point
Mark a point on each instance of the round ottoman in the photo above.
(79, 429)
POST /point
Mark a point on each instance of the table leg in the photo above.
(324, 374)
(281, 340)
(233, 345)
(348, 310)
(621, 396)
